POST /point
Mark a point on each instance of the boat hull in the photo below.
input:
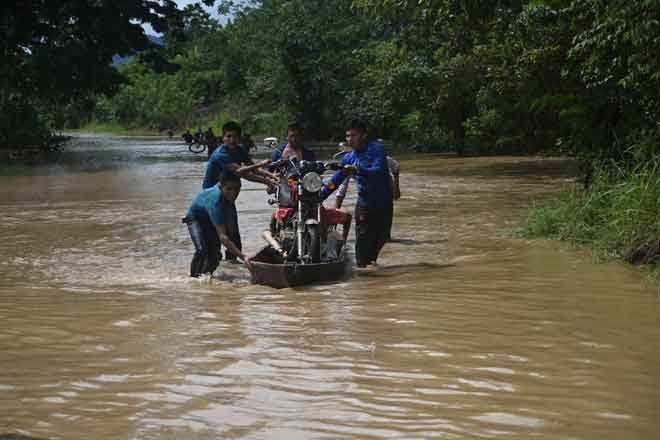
(267, 270)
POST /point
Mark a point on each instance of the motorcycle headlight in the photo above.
(312, 182)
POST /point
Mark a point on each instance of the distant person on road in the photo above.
(199, 136)
(212, 222)
(187, 137)
(211, 141)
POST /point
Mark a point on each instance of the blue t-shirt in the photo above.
(306, 154)
(210, 205)
(373, 179)
(220, 158)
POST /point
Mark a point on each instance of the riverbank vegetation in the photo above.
(618, 215)
(569, 77)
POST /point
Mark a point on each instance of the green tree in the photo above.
(52, 53)
(302, 54)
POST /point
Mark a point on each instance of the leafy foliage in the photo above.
(580, 77)
(54, 52)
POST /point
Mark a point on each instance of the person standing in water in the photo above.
(394, 168)
(231, 156)
(368, 164)
(212, 222)
(211, 141)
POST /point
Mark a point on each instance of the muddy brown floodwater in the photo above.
(463, 333)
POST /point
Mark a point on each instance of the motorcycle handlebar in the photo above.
(282, 163)
(333, 166)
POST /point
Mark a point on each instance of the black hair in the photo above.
(229, 176)
(358, 125)
(295, 126)
(231, 126)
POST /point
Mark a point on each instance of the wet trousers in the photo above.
(372, 229)
(207, 246)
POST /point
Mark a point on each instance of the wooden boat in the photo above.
(268, 268)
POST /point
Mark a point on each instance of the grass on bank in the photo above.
(618, 216)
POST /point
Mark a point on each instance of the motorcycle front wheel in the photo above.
(196, 148)
(312, 243)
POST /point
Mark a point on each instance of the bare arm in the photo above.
(254, 166)
(256, 177)
(255, 173)
(341, 192)
(233, 167)
(226, 241)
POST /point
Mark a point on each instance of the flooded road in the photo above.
(463, 333)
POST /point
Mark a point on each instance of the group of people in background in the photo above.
(212, 219)
(211, 141)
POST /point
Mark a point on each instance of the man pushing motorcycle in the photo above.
(368, 164)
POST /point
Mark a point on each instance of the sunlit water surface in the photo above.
(462, 333)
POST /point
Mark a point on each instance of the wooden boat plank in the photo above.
(281, 275)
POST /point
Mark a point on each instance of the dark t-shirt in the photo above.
(373, 180)
(210, 205)
(219, 160)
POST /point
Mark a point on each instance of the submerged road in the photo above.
(462, 333)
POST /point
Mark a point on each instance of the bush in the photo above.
(21, 124)
(619, 215)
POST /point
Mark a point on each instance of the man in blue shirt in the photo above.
(212, 221)
(229, 157)
(368, 164)
(294, 146)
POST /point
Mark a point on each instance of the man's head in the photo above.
(231, 134)
(230, 185)
(294, 134)
(356, 135)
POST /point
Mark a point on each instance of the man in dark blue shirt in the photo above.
(212, 221)
(368, 163)
(229, 157)
(294, 146)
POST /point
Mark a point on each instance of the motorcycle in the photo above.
(196, 143)
(295, 228)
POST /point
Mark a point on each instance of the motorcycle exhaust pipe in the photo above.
(299, 226)
(266, 235)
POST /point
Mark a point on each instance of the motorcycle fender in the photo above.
(311, 221)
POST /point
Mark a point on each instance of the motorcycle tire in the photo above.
(196, 148)
(312, 243)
